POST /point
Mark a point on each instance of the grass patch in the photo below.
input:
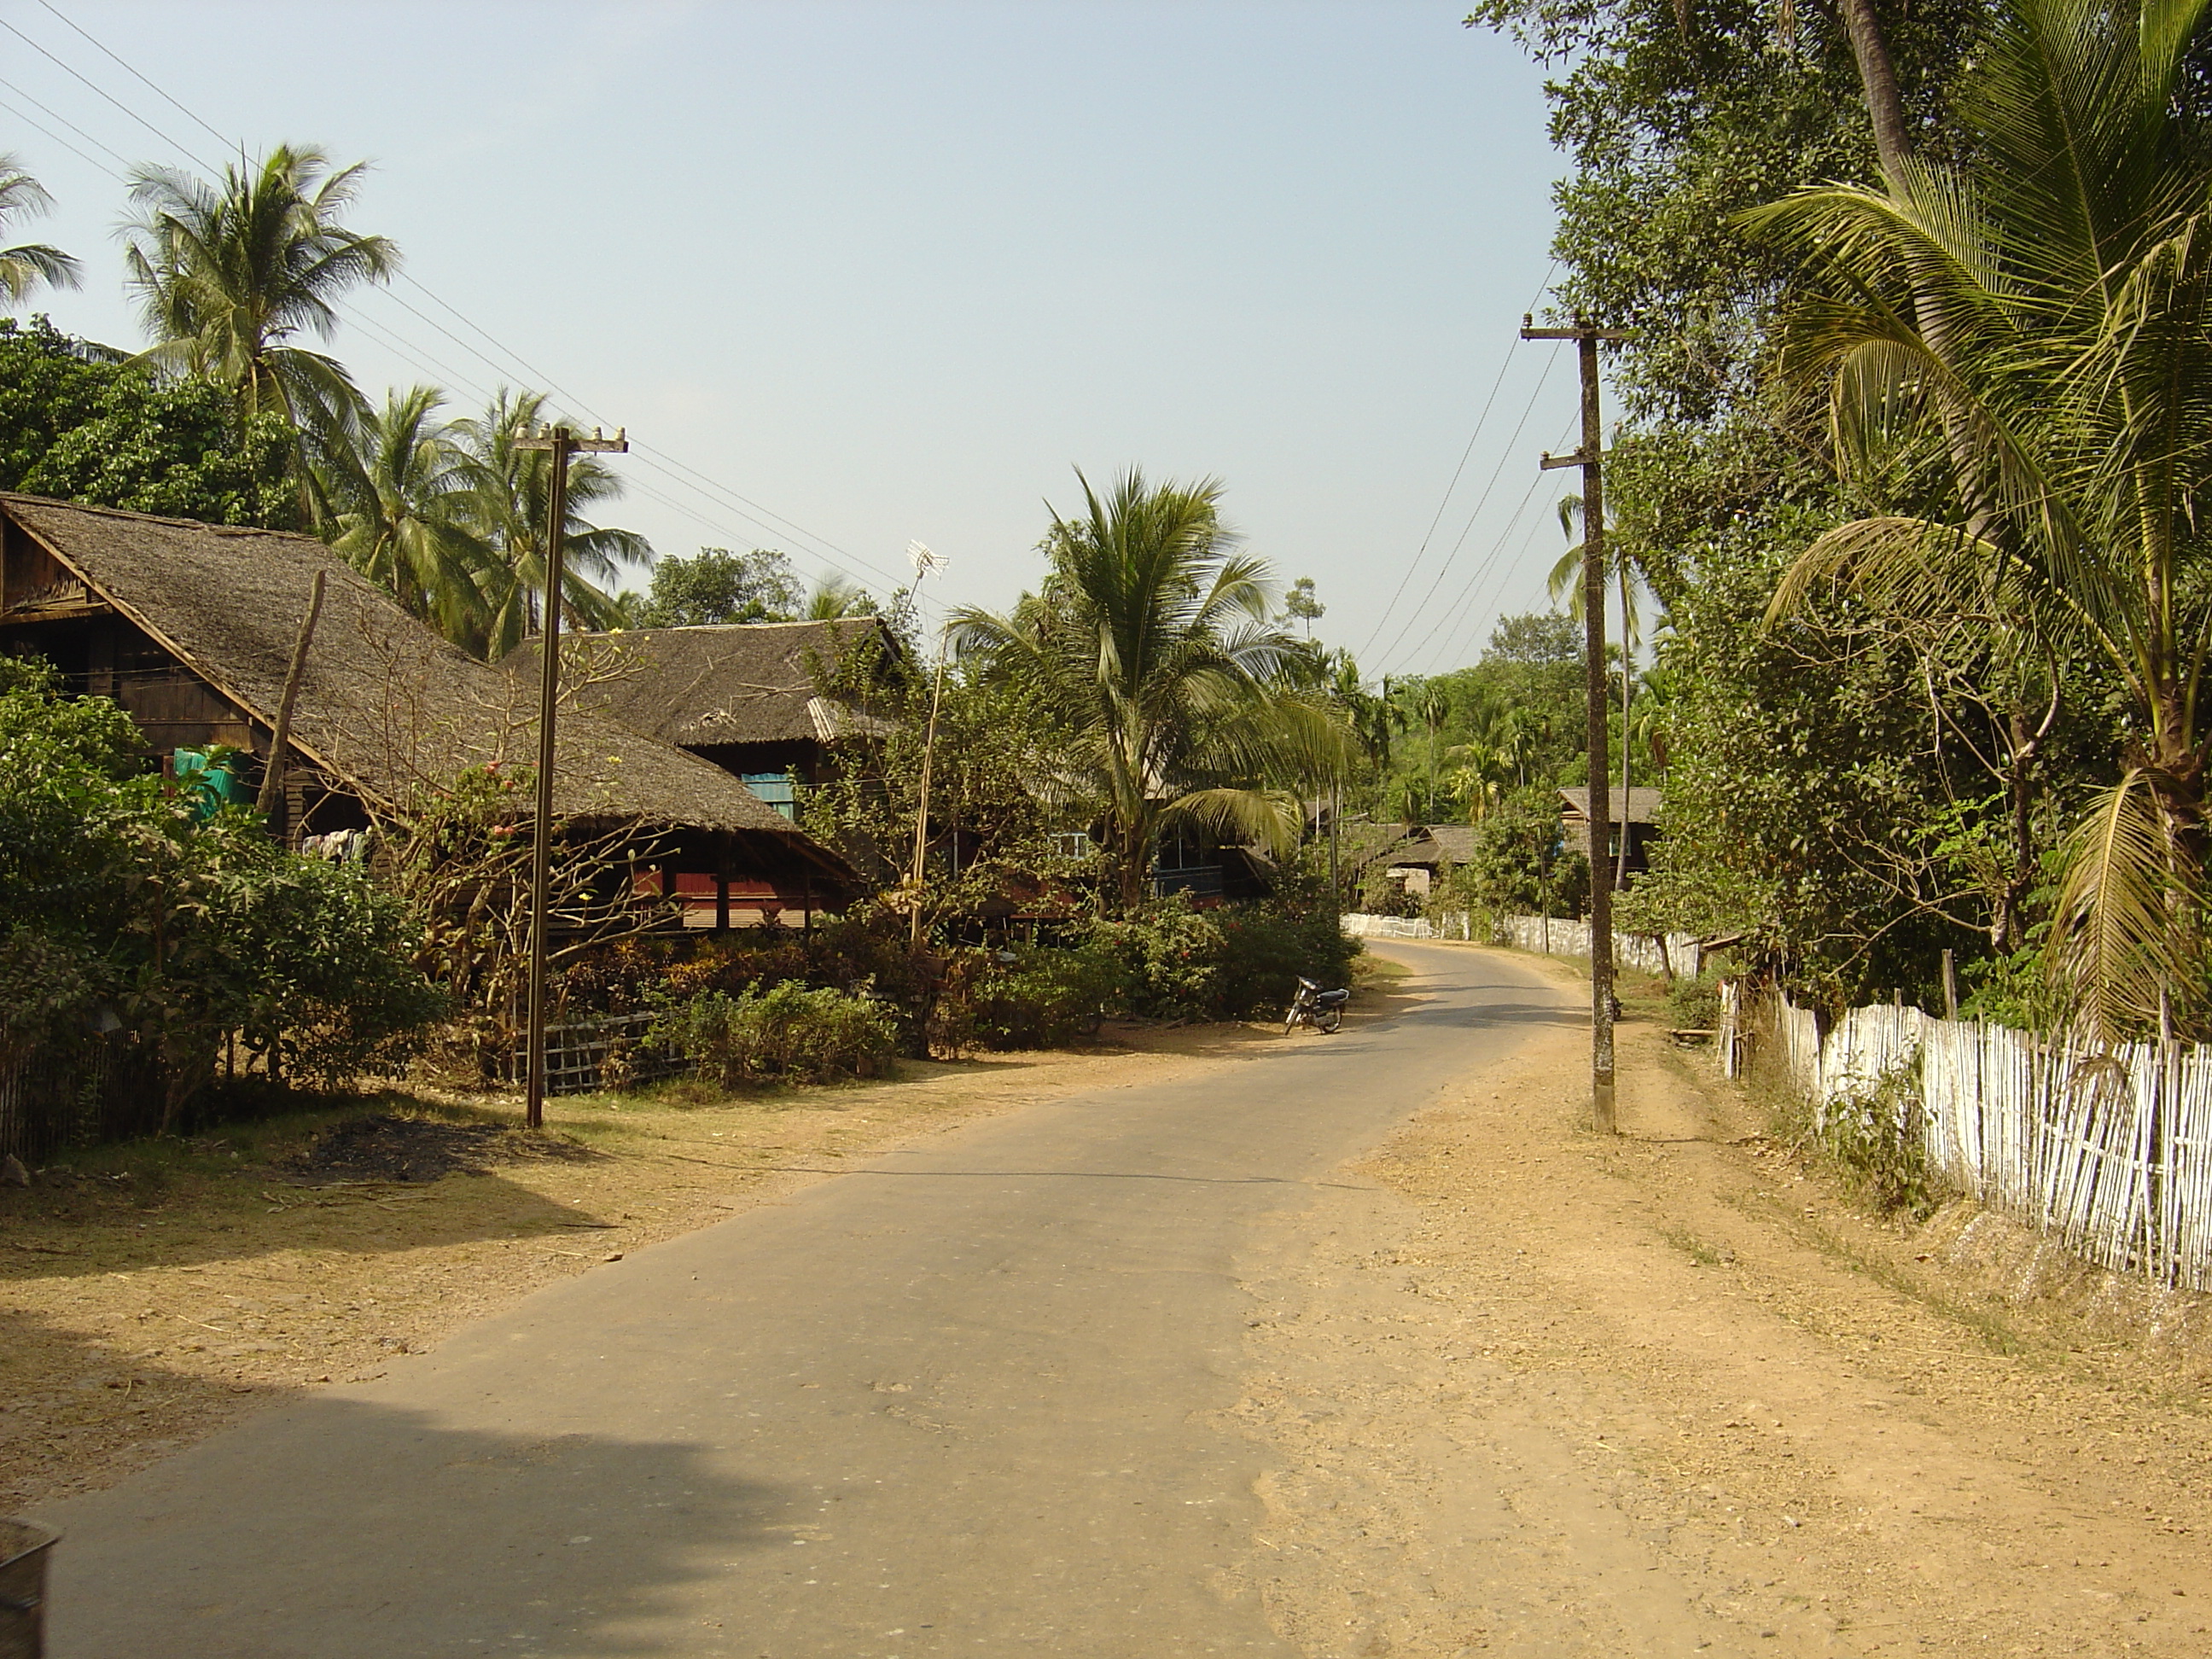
(1704, 1255)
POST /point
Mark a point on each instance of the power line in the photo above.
(66, 122)
(1504, 364)
(1445, 616)
(33, 122)
(1496, 473)
(140, 79)
(99, 92)
(763, 518)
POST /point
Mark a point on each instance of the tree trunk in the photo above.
(1892, 144)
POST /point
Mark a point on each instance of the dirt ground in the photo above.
(1534, 1392)
(151, 1293)
(1538, 1392)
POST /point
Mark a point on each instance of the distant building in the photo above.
(1633, 812)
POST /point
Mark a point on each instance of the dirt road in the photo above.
(1338, 1347)
(1541, 1393)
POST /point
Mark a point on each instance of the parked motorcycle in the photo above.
(1323, 1010)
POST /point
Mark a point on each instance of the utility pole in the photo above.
(1590, 458)
(564, 444)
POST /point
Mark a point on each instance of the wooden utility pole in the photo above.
(1590, 458)
(564, 444)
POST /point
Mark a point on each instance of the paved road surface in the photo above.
(948, 1403)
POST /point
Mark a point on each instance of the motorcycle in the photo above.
(1323, 1010)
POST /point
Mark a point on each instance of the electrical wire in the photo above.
(1445, 616)
(680, 474)
(1503, 455)
(1504, 364)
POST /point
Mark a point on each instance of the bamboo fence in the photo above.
(2108, 1150)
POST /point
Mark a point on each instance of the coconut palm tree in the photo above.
(2036, 319)
(510, 497)
(397, 500)
(1151, 647)
(25, 266)
(1566, 582)
(229, 276)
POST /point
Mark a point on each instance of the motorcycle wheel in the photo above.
(1330, 1019)
(1290, 1022)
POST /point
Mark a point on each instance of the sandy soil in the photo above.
(151, 1293)
(1536, 1393)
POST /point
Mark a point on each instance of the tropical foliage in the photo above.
(1170, 694)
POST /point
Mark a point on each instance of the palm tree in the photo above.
(836, 596)
(1151, 647)
(2035, 318)
(1425, 702)
(229, 276)
(1566, 582)
(397, 499)
(510, 497)
(26, 265)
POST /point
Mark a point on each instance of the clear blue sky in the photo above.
(891, 270)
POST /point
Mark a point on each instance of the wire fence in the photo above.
(2109, 1149)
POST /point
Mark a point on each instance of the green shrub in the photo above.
(787, 1032)
(1046, 998)
(1876, 1144)
(1694, 1005)
(1176, 961)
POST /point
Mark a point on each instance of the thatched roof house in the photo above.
(1633, 812)
(190, 627)
(746, 696)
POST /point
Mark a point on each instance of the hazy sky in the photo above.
(890, 272)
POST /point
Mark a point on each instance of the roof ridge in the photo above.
(8, 496)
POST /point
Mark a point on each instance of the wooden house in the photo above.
(746, 696)
(191, 628)
(1634, 813)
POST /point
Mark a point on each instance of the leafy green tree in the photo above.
(1173, 698)
(1300, 606)
(28, 265)
(228, 275)
(718, 586)
(79, 422)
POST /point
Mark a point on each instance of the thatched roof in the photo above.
(734, 682)
(1636, 805)
(385, 705)
(1396, 845)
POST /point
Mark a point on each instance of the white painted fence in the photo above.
(1453, 924)
(2109, 1149)
(1551, 937)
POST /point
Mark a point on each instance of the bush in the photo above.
(1694, 1005)
(1045, 998)
(1176, 961)
(1874, 1142)
(787, 1032)
(127, 908)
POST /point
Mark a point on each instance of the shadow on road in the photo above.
(451, 1541)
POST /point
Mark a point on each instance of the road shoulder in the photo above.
(1536, 1392)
